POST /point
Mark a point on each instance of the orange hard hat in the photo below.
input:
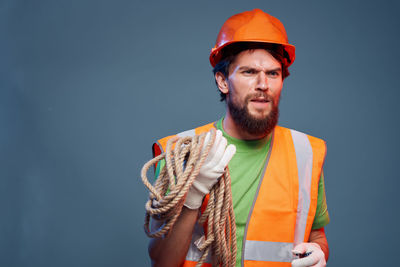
(254, 26)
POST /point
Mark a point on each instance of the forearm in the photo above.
(171, 250)
(318, 236)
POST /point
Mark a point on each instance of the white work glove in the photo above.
(213, 167)
(315, 259)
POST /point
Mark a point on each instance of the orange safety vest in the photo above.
(285, 202)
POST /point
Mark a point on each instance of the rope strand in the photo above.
(167, 196)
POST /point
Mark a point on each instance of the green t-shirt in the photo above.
(249, 162)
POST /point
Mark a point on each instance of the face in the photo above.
(253, 89)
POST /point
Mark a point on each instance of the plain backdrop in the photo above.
(87, 86)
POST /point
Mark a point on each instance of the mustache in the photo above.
(259, 95)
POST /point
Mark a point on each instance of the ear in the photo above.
(222, 82)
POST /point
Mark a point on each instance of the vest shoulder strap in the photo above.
(317, 144)
(160, 145)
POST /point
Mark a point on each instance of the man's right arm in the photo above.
(172, 249)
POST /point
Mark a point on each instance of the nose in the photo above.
(262, 81)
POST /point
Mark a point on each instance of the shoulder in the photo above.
(302, 140)
(298, 134)
(160, 145)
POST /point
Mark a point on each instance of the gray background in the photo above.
(87, 86)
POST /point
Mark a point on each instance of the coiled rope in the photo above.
(167, 196)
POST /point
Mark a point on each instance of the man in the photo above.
(277, 181)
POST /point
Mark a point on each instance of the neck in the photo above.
(235, 131)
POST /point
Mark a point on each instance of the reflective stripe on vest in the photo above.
(304, 158)
(194, 254)
(187, 133)
(268, 251)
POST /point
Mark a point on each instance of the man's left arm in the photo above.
(318, 236)
(321, 219)
(316, 249)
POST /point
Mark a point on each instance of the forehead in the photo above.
(256, 58)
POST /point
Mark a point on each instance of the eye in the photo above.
(249, 71)
(274, 74)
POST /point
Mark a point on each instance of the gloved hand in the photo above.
(316, 258)
(213, 167)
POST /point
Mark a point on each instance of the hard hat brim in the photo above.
(216, 53)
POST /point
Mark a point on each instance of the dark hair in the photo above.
(230, 53)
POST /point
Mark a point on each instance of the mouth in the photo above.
(260, 100)
(260, 103)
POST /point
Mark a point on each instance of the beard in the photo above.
(247, 122)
